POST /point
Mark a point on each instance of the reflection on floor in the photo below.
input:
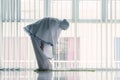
(59, 75)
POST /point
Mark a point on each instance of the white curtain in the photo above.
(91, 42)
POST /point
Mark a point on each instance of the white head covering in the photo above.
(47, 29)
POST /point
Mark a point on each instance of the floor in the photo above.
(59, 75)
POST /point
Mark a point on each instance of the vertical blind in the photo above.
(91, 42)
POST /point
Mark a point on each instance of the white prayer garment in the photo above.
(46, 31)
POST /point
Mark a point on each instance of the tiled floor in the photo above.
(60, 75)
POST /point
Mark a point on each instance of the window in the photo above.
(90, 9)
(32, 9)
(10, 10)
(117, 51)
(61, 8)
(92, 39)
(79, 10)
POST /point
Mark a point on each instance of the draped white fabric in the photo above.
(92, 40)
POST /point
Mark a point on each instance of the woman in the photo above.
(44, 35)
